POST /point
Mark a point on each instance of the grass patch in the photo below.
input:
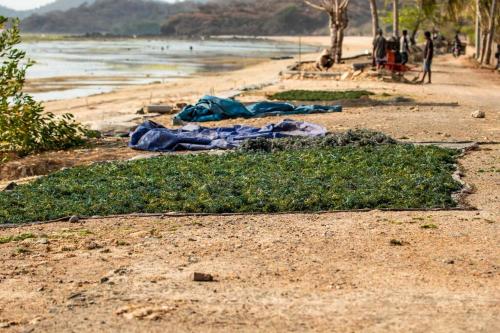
(314, 179)
(22, 250)
(16, 238)
(319, 95)
(429, 226)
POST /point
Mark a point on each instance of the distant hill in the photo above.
(57, 5)
(61, 5)
(120, 17)
(261, 17)
(4, 11)
(190, 18)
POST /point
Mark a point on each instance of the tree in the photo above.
(374, 12)
(337, 12)
(24, 126)
(395, 20)
(491, 30)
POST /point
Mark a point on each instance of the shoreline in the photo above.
(117, 110)
(139, 63)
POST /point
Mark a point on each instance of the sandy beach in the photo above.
(334, 272)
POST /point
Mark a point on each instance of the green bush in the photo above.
(383, 176)
(24, 126)
(319, 95)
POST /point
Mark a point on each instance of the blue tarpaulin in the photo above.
(211, 108)
(151, 136)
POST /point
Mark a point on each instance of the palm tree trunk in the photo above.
(491, 31)
(477, 36)
(340, 41)
(333, 37)
(373, 9)
(483, 45)
(395, 18)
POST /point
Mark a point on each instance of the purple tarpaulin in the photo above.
(151, 136)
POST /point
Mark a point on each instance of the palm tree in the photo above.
(395, 17)
(374, 12)
(337, 11)
(491, 30)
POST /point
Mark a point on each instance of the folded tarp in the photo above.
(151, 136)
(211, 108)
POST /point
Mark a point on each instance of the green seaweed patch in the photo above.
(16, 238)
(297, 180)
(429, 226)
(319, 95)
(354, 138)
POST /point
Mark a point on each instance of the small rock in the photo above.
(35, 320)
(43, 241)
(180, 105)
(478, 114)
(449, 261)
(345, 76)
(74, 219)
(76, 296)
(92, 245)
(202, 277)
(104, 279)
(396, 242)
(10, 187)
(357, 73)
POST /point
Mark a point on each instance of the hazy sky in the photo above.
(29, 4)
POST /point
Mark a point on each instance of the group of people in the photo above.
(380, 47)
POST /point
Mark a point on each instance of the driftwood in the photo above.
(161, 109)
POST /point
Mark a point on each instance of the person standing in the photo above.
(428, 55)
(457, 46)
(379, 49)
(404, 48)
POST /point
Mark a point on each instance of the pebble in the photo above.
(74, 219)
(43, 241)
(92, 245)
(478, 114)
(202, 277)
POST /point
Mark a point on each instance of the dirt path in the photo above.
(330, 272)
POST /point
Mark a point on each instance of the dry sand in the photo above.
(301, 272)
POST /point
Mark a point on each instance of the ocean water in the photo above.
(77, 68)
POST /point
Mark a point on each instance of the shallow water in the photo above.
(76, 68)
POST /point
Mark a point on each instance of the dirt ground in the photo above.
(342, 272)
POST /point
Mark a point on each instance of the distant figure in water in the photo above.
(380, 49)
(325, 61)
(428, 55)
(190, 48)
